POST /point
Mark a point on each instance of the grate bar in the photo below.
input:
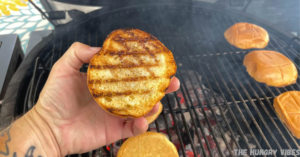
(222, 133)
(198, 120)
(207, 120)
(274, 97)
(282, 50)
(252, 103)
(233, 99)
(256, 109)
(230, 111)
(210, 106)
(244, 104)
(225, 119)
(186, 126)
(266, 110)
(214, 105)
(167, 125)
(192, 117)
(287, 54)
(111, 150)
(214, 115)
(183, 118)
(176, 127)
(263, 107)
(157, 126)
(287, 130)
(238, 108)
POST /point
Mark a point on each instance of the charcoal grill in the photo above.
(218, 107)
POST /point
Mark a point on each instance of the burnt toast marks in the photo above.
(120, 39)
(131, 79)
(111, 94)
(124, 53)
(121, 66)
(141, 41)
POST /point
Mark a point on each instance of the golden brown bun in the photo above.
(149, 144)
(271, 67)
(287, 106)
(153, 117)
(131, 73)
(247, 36)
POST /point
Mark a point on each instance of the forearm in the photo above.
(29, 136)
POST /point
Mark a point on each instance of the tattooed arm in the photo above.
(29, 136)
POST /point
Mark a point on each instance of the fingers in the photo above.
(174, 85)
(135, 127)
(153, 111)
(76, 55)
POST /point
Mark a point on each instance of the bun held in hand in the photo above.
(131, 73)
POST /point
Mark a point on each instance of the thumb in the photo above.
(76, 55)
(135, 127)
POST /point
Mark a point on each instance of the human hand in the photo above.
(77, 122)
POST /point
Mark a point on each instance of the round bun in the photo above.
(153, 117)
(247, 36)
(287, 107)
(149, 144)
(271, 67)
(131, 73)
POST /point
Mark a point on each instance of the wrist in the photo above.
(34, 132)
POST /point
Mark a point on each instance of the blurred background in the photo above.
(27, 18)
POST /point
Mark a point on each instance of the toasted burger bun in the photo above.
(131, 73)
(271, 67)
(154, 117)
(247, 36)
(149, 144)
(287, 107)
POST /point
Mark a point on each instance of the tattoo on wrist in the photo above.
(29, 152)
(5, 139)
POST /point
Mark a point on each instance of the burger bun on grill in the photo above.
(131, 73)
(287, 107)
(271, 67)
(149, 144)
(247, 36)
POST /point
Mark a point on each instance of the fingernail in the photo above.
(95, 48)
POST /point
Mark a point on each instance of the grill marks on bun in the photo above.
(131, 73)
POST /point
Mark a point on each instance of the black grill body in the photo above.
(218, 107)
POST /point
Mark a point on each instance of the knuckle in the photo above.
(55, 66)
(76, 44)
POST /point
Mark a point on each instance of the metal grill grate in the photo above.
(218, 107)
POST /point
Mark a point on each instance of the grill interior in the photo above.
(218, 107)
